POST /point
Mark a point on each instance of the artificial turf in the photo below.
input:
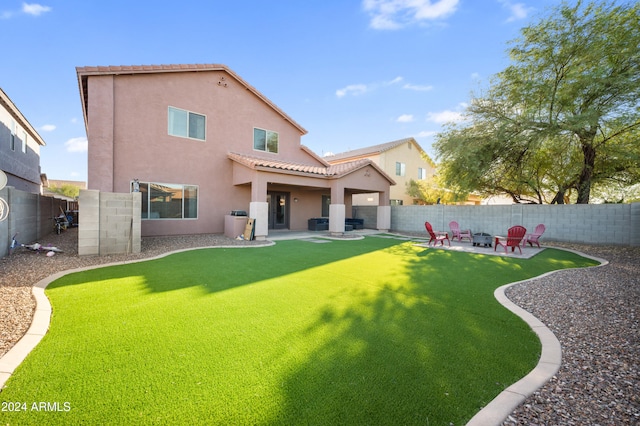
(376, 331)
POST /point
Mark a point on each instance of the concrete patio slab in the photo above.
(467, 247)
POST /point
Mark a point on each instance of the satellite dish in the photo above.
(3, 179)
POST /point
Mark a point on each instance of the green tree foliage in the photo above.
(67, 190)
(563, 118)
(428, 191)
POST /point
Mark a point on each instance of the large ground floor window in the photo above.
(168, 201)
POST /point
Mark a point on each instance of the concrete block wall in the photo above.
(110, 223)
(368, 213)
(617, 224)
(30, 216)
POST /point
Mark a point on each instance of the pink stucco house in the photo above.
(199, 142)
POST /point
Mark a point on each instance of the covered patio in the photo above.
(285, 195)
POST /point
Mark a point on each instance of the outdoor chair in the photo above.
(436, 236)
(515, 234)
(533, 238)
(456, 232)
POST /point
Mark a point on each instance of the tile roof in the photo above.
(329, 171)
(370, 150)
(85, 72)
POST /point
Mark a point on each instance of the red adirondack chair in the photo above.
(458, 233)
(515, 234)
(436, 236)
(533, 238)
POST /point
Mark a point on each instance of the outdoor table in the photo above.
(482, 238)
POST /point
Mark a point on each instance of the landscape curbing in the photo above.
(494, 413)
(497, 411)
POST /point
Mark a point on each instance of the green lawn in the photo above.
(376, 331)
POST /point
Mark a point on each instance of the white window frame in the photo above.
(170, 131)
(401, 169)
(266, 142)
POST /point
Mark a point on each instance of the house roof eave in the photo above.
(18, 116)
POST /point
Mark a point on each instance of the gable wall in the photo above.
(22, 168)
(132, 111)
(410, 155)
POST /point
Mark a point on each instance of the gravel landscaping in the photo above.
(593, 312)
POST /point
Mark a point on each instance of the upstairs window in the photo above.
(186, 124)
(265, 140)
(12, 141)
(422, 173)
(400, 169)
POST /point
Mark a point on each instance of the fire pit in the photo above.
(482, 238)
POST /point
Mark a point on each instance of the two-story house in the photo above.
(199, 142)
(403, 159)
(19, 148)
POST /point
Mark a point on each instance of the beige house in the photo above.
(403, 159)
(19, 148)
(199, 142)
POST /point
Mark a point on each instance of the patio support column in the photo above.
(259, 210)
(337, 209)
(336, 219)
(384, 212)
(258, 207)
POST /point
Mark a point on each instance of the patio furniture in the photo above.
(456, 232)
(533, 238)
(482, 239)
(436, 236)
(318, 224)
(515, 234)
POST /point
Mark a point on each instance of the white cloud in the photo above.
(518, 11)
(354, 89)
(48, 128)
(417, 88)
(76, 145)
(405, 118)
(447, 116)
(360, 89)
(35, 9)
(395, 14)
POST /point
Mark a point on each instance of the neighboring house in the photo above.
(403, 159)
(19, 148)
(199, 142)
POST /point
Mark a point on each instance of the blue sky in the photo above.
(353, 73)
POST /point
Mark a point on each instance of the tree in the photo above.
(562, 118)
(67, 190)
(429, 192)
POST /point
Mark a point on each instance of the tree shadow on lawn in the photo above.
(433, 350)
(219, 269)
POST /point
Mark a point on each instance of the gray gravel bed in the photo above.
(593, 312)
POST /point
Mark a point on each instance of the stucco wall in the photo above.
(592, 224)
(136, 106)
